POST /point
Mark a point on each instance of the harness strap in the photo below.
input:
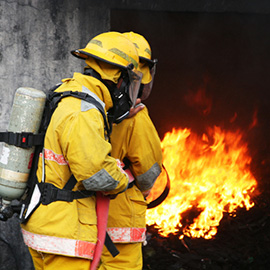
(22, 139)
(50, 193)
(70, 184)
(108, 241)
(56, 97)
(111, 246)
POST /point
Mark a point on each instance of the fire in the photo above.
(209, 175)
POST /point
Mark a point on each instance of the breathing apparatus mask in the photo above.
(124, 93)
(115, 49)
(145, 89)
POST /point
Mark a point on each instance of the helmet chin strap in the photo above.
(119, 95)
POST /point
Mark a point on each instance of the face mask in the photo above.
(121, 101)
(124, 95)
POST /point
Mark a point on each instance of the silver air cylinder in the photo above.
(15, 162)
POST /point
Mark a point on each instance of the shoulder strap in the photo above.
(56, 97)
(53, 98)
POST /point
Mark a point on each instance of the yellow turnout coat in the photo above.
(75, 143)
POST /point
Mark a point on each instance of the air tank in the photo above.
(15, 162)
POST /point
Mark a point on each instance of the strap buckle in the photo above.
(50, 193)
(25, 139)
(47, 193)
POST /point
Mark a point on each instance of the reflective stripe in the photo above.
(148, 51)
(85, 105)
(124, 56)
(147, 179)
(50, 155)
(100, 181)
(57, 245)
(87, 91)
(127, 235)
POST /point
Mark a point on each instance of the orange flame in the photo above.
(209, 176)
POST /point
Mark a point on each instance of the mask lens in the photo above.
(147, 88)
(135, 78)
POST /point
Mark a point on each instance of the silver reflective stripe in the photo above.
(147, 180)
(127, 235)
(85, 106)
(100, 181)
(59, 245)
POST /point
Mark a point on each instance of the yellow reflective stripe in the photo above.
(13, 176)
(57, 245)
(148, 51)
(96, 42)
(136, 45)
(127, 235)
(124, 56)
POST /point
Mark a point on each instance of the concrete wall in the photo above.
(36, 37)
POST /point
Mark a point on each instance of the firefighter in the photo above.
(62, 233)
(135, 141)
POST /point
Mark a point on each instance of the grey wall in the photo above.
(36, 37)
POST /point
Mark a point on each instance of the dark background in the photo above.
(213, 69)
(223, 56)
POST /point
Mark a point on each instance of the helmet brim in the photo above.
(84, 55)
(150, 62)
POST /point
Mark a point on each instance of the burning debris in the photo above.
(242, 243)
(210, 176)
(214, 216)
(211, 218)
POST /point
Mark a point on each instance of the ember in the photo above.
(209, 174)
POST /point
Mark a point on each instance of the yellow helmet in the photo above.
(147, 66)
(112, 48)
(145, 54)
(142, 46)
(115, 58)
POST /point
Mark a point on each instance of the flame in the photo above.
(209, 175)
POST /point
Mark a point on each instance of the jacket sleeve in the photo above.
(137, 139)
(88, 153)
